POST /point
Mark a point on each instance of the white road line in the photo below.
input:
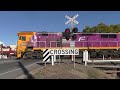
(16, 69)
(3, 62)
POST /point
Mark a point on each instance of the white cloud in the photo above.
(2, 42)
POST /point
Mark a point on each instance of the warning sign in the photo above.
(64, 52)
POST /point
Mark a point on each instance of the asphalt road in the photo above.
(11, 69)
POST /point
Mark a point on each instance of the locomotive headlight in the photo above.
(24, 44)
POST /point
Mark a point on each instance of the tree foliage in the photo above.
(102, 28)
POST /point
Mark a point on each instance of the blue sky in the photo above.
(11, 22)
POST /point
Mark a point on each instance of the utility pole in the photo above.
(72, 22)
(2, 51)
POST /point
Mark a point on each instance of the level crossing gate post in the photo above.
(85, 57)
(52, 60)
(74, 60)
(103, 57)
(72, 45)
(74, 56)
(59, 59)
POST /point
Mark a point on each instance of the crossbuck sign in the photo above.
(71, 19)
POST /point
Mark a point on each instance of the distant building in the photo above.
(13, 47)
(7, 51)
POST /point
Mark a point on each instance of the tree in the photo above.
(87, 29)
(102, 28)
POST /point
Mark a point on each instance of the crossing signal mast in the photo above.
(68, 33)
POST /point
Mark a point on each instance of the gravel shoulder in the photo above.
(67, 71)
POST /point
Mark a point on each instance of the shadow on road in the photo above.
(26, 72)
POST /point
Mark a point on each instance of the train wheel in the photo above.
(29, 55)
(99, 54)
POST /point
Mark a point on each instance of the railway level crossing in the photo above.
(47, 54)
(52, 53)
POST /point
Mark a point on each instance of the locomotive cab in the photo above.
(23, 39)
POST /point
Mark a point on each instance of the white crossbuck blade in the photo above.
(67, 22)
(75, 16)
(75, 21)
(72, 19)
(68, 17)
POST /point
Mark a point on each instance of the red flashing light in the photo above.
(67, 34)
(67, 30)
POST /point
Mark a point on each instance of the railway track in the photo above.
(112, 68)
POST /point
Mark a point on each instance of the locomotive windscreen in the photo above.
(44, 34)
